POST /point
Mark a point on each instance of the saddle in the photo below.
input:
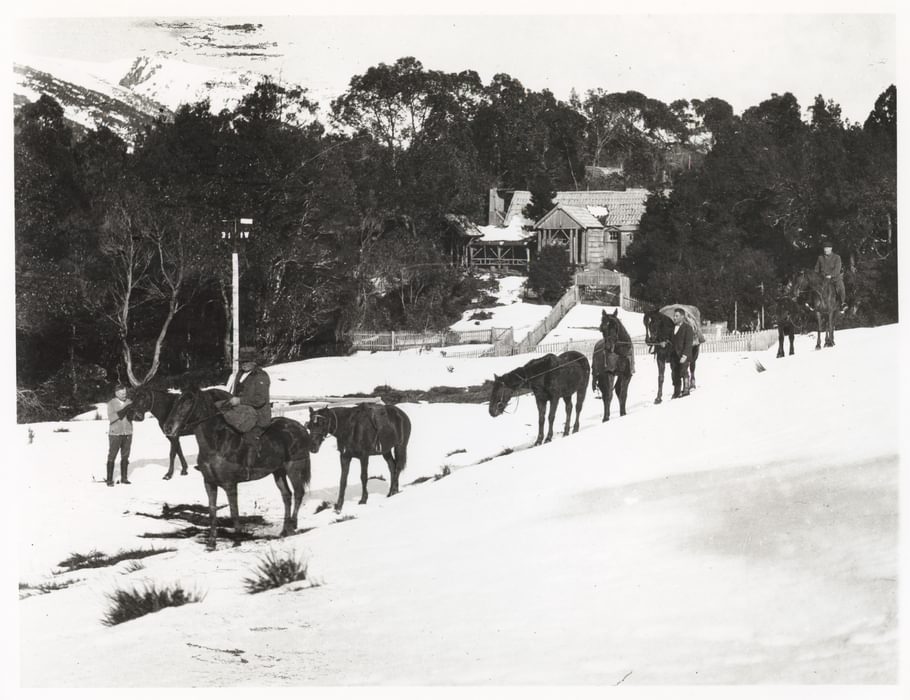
(241, 418)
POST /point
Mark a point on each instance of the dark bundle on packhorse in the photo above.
(613, 362)
(360, 431)
(819, 296)
(159, 402)
(659, 336)
(550, 378)
(284, 452)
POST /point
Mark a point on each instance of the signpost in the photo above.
(235, 231)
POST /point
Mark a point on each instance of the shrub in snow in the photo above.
(95, 559)
(275, 570)
(128, 604)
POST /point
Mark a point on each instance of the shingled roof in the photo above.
(613, 207)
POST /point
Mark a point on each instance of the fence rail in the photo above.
(503, 342)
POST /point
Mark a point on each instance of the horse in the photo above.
(786, 319)
(819, 296)
(612, 363)
(284, 452)
(550, 378)
(159, 402)
(361, 431)
(659, 337)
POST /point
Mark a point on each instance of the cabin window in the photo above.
(614, 236)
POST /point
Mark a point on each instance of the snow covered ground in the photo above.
(582, 322)
(513, 312)
(747, 534)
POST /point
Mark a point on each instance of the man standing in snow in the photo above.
(682, 341)
(829, 267)
(250, 391)
(120, 434)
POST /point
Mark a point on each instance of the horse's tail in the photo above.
(404, 431)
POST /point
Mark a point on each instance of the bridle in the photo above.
(195, 399)
(331, 420)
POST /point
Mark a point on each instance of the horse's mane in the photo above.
(529, 370)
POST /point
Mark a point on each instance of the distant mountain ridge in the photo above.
(125, 96)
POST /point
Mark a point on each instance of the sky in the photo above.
(743, 59)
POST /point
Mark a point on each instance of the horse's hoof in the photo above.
(236, 544)
(210, 546)
(361, 501)
(338, 507)
(166, 477)
(780, 354)
(656, 401)
(184, 472)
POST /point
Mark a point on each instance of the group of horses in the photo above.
(373, 429)
(285, 446)
(554, 378)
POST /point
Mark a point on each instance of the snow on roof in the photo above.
(513, 232)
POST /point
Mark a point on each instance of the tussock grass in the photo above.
(275, 570)
(133, 565)
(506, 451)
(26, 590)
(95, 559)
(129, 604)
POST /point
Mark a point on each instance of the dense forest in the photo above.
(120, 273)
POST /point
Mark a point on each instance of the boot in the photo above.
(123, 468)
(110, 474)
(685, 387)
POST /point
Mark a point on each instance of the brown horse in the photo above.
(284, 453)
(819, 296)
(361, 431)
(612, 363)
(550, 378)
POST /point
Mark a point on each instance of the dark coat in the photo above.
(683, 339)
(829, 265)
(254, 391)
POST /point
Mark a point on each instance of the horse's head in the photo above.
(503, 389)
(319, 426)
(192, 406)
(143, 399)
(613, 331)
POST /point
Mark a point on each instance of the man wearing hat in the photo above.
(682, 343)
(828, 266)
(251, 388)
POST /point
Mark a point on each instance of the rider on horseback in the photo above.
(828, 266)
(251, 389)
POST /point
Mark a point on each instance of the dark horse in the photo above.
(819, 296)
(612, 362)
(284, 453)
(550, 378)
(787, 321)
(659, 336)
(159, 402)
(361, 431)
